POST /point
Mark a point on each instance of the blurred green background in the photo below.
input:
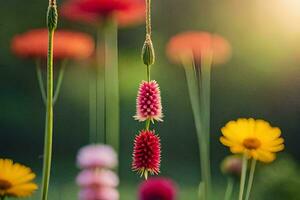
(262, 80)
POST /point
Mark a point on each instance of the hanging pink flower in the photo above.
(97, 156)
(146, 153)
(157, 188)
(148, 103)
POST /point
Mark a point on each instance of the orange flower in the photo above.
(67, 45)
(94, 12)
(197, 44)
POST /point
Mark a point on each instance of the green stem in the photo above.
(92, 105)
(112, 85)
(148, 73)
(229, 189)
(100, 91)
(250, 180)
(148, 124)
(192, 83)
(59, 80)
(49, 120)
(205, 98)
(243, 177)
(40, 80)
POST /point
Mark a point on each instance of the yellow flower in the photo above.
(15, 180)
(255, 138)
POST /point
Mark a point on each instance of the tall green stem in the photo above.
(112, 85)
(51, 24)
(192, 83)
(49, 120)
(92, 106)
(250, 180)
(229, 189)
(205, 96)
(99, 112)
(243, 177)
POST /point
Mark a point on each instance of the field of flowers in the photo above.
(149, 100)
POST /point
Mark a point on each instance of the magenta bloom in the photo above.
(146, 153)
(148, 103)
(93, 178)
(100, 193)
(157, 189)
(97, 156)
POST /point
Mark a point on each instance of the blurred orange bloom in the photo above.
(94, 12)
(67, 44)
(195, 44)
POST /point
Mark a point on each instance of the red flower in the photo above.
(71, 11)
(146, 153)
(148, 103)
(126, 12)
(67, 44)
(197, 44)
(135, 14)
(157, 189)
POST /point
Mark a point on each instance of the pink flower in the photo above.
(232, 165)
(96, 178)
(157, 188)
(146, 153)
(148, 103)
(102, 193)
(97, 156)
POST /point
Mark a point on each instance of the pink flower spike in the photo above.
(97, 156)
(97, 178)
(101, 193)
(146, 153)
(148, 103)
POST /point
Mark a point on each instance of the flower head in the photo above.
(232, 165)
(146, 153)
(157, 188)
(126, 12)
(97, 178)
(15, 180)
(67, 44)
(102, 193)
(255, 138)
(97, 156)
(103, 8)
(195, 44)
(148, 103)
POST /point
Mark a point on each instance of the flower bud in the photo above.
(148, 54)
(52, 15)
(232, 165)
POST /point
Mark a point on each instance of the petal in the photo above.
(265, 156)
